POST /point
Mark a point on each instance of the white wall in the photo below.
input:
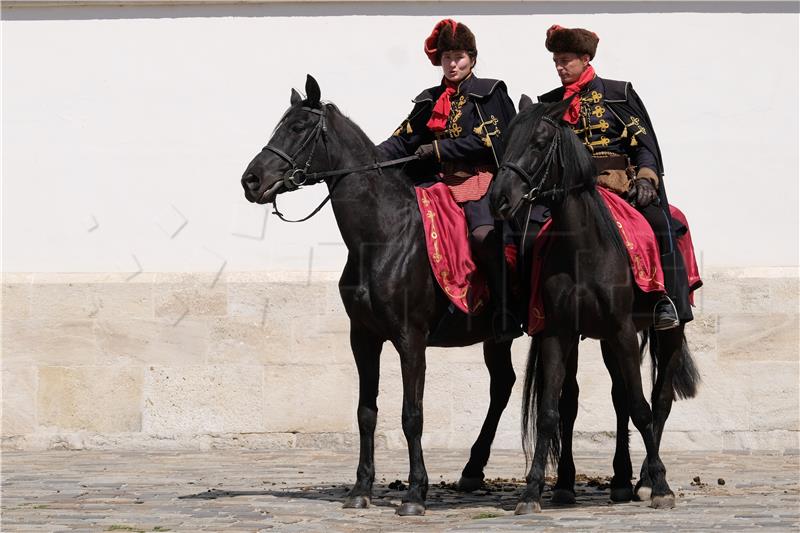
(124, 115)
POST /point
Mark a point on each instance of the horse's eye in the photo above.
(296, 128)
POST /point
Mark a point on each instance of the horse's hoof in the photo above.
(642, 494)
(411, 509)
(468, 484)
(528, 508)
(666, 501)
(562, 497)
(356, 502)
(621, 494)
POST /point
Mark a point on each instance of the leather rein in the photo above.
(299, 176)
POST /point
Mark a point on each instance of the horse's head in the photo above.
(282, 164)
(531, 164)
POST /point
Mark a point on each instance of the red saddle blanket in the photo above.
(447, 238)
(640, 243)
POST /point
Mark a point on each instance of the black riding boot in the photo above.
(489, 251)
(673, 308)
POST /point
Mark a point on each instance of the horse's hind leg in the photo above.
(366, 350)
(625, 346)
(497, 357)
(411, 348)
(669, 346)
(564, 491)
(621, 488)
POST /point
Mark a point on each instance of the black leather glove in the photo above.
(643, 193)
(425, 151)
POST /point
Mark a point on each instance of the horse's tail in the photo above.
(531, 398)
(686, 378)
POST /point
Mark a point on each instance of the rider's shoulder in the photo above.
(431, 94)
(616, 90)
(556, 95)
(483, 87)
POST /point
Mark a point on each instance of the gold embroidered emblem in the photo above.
(640, 130)
(453, 127)
(602, 141)
(599, 111)
(593, 97)
(487, 139)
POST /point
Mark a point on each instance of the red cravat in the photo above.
(573, 111)
(441, 109)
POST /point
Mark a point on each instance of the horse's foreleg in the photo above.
(497, 357)
(625, 346)
(564, 491)
(366, 350)
(412, 364)
(621, 488)
(550, 372)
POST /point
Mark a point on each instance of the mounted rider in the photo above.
(612, 122)
(456, 128)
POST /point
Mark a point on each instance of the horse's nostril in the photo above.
(251, 182)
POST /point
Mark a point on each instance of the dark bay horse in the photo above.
(588, 291)
(387, 285)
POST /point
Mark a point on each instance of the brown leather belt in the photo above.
(611, 162)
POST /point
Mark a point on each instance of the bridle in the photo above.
(299, 176)
(553, 155)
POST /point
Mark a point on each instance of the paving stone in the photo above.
(302, 491)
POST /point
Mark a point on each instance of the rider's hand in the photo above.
(425, 151)
(643, 192)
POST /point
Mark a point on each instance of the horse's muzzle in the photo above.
(250, 183)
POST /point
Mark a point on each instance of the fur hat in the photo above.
(449, 35)
(575, 40)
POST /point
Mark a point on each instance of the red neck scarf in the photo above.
(441, 109)
(573, 111)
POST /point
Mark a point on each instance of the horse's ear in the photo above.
(313, 92)
(525, 102)
(295, 97)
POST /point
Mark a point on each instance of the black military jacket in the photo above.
(479, 116)
(613, 118)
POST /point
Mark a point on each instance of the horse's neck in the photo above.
(576, 225)
(361, 200)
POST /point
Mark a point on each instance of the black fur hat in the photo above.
(575, 40)
(449, 35)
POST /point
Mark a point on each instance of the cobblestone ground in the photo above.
(302, 490)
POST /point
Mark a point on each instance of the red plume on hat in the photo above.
(575, 40)
(449, 35)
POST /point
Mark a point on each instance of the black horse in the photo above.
(387, 285)
(587, 291)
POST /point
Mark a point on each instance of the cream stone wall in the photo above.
(262, 360)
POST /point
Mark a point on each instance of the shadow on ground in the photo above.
(503, 494)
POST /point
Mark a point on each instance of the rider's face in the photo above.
(456, 65)
(570, 66)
